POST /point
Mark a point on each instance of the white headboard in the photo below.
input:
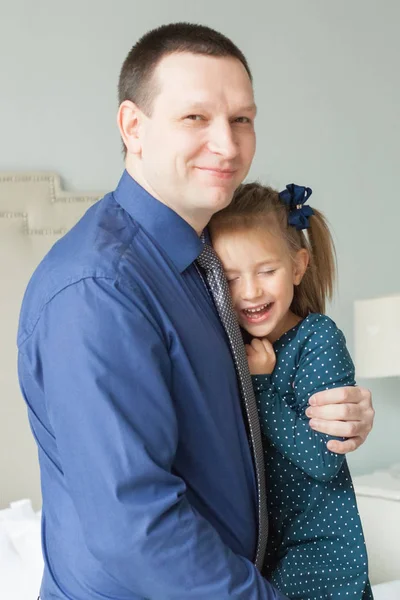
(34, 213)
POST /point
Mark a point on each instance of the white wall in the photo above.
(328, 91)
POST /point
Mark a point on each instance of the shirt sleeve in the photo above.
(106, 373)
(324, 363)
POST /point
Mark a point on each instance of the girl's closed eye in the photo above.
(269, 272)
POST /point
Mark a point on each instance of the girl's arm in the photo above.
(324, 362)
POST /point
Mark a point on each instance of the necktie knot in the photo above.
(208, 259)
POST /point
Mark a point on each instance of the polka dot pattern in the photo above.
(209, 261)
(316, 549)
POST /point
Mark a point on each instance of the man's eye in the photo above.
(194, 117)
(271, 272)
(243, 120)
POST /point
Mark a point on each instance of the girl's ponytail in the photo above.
(318, 282)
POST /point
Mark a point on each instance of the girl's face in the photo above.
(261, 276)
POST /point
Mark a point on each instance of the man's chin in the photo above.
(220, 199)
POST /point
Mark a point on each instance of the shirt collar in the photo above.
(177, 238)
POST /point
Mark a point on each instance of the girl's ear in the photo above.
(301, 261)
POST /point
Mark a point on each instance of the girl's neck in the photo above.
(288, 322)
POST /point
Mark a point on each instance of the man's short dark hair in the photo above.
(137, 71)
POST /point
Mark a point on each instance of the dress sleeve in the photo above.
(324, 362)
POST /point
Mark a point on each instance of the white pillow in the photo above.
(387, 591)
(21, 562)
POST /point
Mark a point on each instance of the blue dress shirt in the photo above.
(147, 478)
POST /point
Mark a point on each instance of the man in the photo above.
(148, 483)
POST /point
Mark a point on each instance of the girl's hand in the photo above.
(260, 356)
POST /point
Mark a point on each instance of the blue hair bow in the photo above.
(295, 197)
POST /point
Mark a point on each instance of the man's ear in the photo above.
(129, 120)
(301, 261)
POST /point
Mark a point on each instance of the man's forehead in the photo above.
(196, 79)
(181, 58)
(195, 67)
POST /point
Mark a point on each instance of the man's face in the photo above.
(198, 143)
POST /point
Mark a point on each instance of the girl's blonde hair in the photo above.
(257, 206)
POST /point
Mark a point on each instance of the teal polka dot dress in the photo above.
(316, 548)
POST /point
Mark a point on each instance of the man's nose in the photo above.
(222, 140)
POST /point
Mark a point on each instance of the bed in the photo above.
(34, 213)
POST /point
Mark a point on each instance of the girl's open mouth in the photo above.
(257, 314)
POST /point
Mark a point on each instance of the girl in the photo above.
(279, 280)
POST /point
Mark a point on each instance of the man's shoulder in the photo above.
(99, 246)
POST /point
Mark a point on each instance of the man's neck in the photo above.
(198, 223)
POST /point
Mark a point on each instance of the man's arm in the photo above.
(107, 378)
(288, 431)
(344, 412)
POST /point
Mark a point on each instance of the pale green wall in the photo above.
(328, 91)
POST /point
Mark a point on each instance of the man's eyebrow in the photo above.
(206, 105)
(251, 108)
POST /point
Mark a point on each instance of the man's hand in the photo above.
(342, 412)
(260, 356)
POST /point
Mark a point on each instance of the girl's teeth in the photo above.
(256, 310)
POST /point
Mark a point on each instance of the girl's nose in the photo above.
(251, 290)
